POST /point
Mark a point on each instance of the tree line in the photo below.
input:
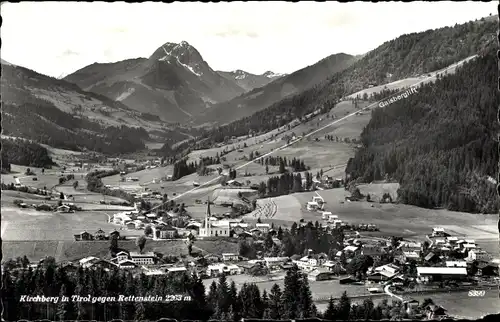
(440, 145)
(285, 184)
(296, 164)
(94, 184)
(24, 152)
(183, 168)
(223, 301)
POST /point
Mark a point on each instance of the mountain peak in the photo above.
(183, 51)
(270, 74)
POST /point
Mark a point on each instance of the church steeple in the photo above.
(207, 216)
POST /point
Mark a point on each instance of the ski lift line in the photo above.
(306, 135)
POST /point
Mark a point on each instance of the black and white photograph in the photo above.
(250, 161)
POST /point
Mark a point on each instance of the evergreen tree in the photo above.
(305, 301)
(291, 293)
(331, 310)
(344, 307)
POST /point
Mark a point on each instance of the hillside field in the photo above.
(73, 250)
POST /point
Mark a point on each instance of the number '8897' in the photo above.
(474, 293)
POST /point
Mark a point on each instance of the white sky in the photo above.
(55, 38)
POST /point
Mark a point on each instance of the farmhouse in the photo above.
(438, 232)
(104, 264)
(383, 273)
(411, 254)
(217, 269)
(429, 274)
(275, 262)
(172, 271)
(434, 312)
(320, 274)
(228, 257)
(311, 261)
(100, 234)
(88, 261)
(83, 236)
(487, 269)
(164, 232)
(114, 234)
(142, 259)
(350, 250)
(126, 264)
(264, 228)
(312, 206)
(121, 256)
(64, 209)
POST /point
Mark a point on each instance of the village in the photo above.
(382, 265)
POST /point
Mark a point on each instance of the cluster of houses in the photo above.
(212, 226)
(63, 208)
(98, 235)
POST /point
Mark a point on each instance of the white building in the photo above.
(88, 261)
(437, 231)
(478, 255)
(312, 206)
(325, 215)
(311, 261)
(264, 228)
(275, 262)
(456, 264)
(121, 256)
(215, 270)
(143, 259)
(126, 264)
(230, 257)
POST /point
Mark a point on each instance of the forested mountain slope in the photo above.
(60, 114)
(261, 98)
(440, 144)
(407, 55)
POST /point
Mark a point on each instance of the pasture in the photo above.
(412, 81)
(458, 304)
(65, 250)
(392, 219)
(29, 224)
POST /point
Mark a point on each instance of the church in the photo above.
(213, 228)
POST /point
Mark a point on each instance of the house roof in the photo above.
(429, 256)
(126, 261)
(384, 273)
(318, 271)
(350, 248)
(176, 269)
(122, 252)
(88, 259)
(442, 270)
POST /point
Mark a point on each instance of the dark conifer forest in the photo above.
(24, 152)
(440, 144)
(223, 301)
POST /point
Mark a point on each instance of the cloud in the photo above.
(233, 32)
(119, 30)
(69, 52)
